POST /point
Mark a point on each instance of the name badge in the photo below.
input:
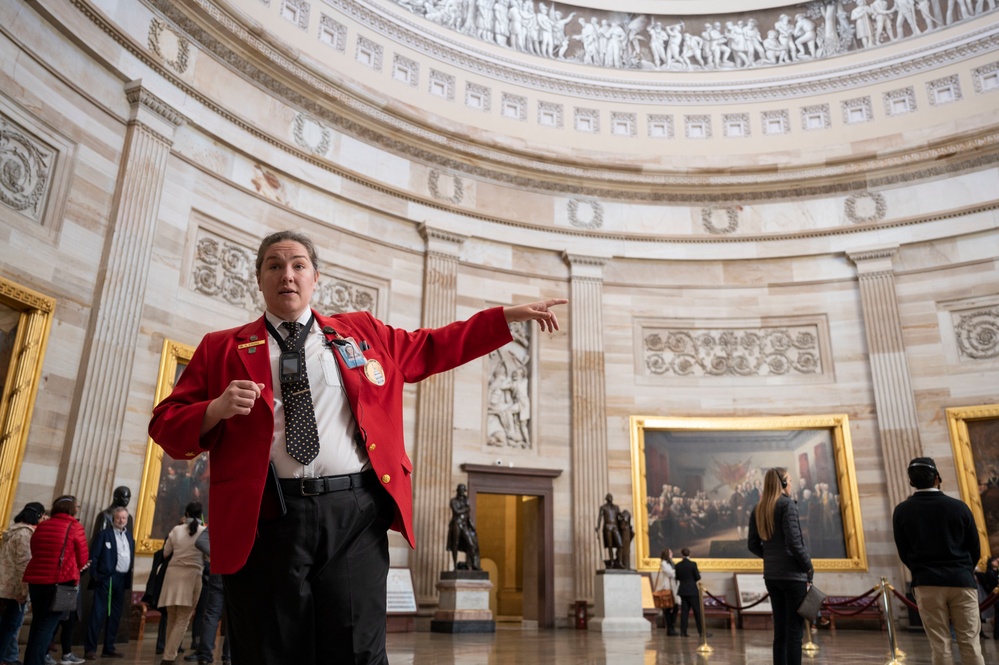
(350, 353)
(249, 344)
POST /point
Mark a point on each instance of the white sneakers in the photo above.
(69, 659)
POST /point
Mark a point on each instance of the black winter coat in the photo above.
(784, 555)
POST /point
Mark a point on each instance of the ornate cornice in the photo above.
(140, 96)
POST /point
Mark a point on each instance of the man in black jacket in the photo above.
(687, 577)
(937, 539)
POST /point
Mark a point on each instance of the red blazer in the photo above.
(46, 546)
(240, 446)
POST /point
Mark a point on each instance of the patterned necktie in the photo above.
(300, 431)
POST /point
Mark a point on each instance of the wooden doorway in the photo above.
(533, 492)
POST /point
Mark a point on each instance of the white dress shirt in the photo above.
(124, 562)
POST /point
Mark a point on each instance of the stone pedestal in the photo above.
(464, 603)
(617, 607)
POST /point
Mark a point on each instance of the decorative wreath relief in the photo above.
(310, 135)
(978, 334)
(458, 187)
(170, 46)
(731, 213)
(596, 216)
(865, 207)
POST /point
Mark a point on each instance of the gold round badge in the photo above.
(373, 371)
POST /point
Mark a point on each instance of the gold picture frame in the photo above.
(19, 379)
(728, 453)
(151, 518)
(974, 438)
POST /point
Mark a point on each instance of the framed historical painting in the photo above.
(974, 436)
(25, 322)
(696, 481)
(168, 485)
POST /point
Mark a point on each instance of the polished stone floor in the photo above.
(511, 645)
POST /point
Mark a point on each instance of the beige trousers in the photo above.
(178, 616)
(939, 606)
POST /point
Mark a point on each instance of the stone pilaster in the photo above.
(896, 406)
(434, 421)
(116, 316)
(590, 480)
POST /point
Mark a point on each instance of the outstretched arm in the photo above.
(539, 311)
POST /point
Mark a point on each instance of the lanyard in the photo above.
(289, 345)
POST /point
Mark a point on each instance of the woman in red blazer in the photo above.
(58, 555)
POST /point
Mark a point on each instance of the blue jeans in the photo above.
(43, 623)
(785, 598)
(10, 626)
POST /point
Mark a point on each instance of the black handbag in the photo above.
(810, 606)
(65, 596)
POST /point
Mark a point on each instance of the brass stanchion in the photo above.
(890, 614)
(809, 647)
(895, 655)
(704, 649)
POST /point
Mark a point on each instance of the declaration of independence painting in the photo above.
(697, 480)
(974, 435)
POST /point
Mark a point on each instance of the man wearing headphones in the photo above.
(937, 539)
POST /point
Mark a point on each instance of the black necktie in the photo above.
(300, 431)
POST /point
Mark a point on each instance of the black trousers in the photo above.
(688, 603)
(212, 615)
(785, 598)
(313, 589)
(103, 617)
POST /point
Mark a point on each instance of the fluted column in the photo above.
(893, 397)
(590, 479)
(434, 421)
(114, 324)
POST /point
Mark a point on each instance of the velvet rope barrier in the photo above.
(851, 613)
(735, 607)
(908, 603)
(851, 601)
(984, 605)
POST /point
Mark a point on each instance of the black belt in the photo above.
(326, 484)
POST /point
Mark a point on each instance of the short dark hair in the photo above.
(685, 551)
(922, 473)
(294, 236)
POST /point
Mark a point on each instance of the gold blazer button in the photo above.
(386, 478)
(371, 447)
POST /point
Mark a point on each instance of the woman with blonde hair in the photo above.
(186, 546)
(775, 536)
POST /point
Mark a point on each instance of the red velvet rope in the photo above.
(860, 609)
(985, 604)
(734, 607)
(851, 601)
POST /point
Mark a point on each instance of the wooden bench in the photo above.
(715, 610)
(140, 614)
(872, 613)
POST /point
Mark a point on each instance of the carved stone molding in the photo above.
(434, 185)
(25, 169)
(977, 333)
(740, 352)
(311, 135)
(166, 43)
(865, 207)
(140, 96)
(732, 217)
(874, 262)
(596, 216)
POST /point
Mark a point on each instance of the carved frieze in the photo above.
(944, 91)
(296, 11)
(333, 33)
(899, 102)
(977, 333)
(736, 125)
(737, 351)
(660, 126)
(857, 110)
(26, 165)
(776, 122)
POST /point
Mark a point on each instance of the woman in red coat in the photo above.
(58, 555)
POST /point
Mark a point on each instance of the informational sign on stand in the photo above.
(400, 596)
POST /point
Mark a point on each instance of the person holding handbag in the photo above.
(58, 556)
(775, 536)
(666, 590)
